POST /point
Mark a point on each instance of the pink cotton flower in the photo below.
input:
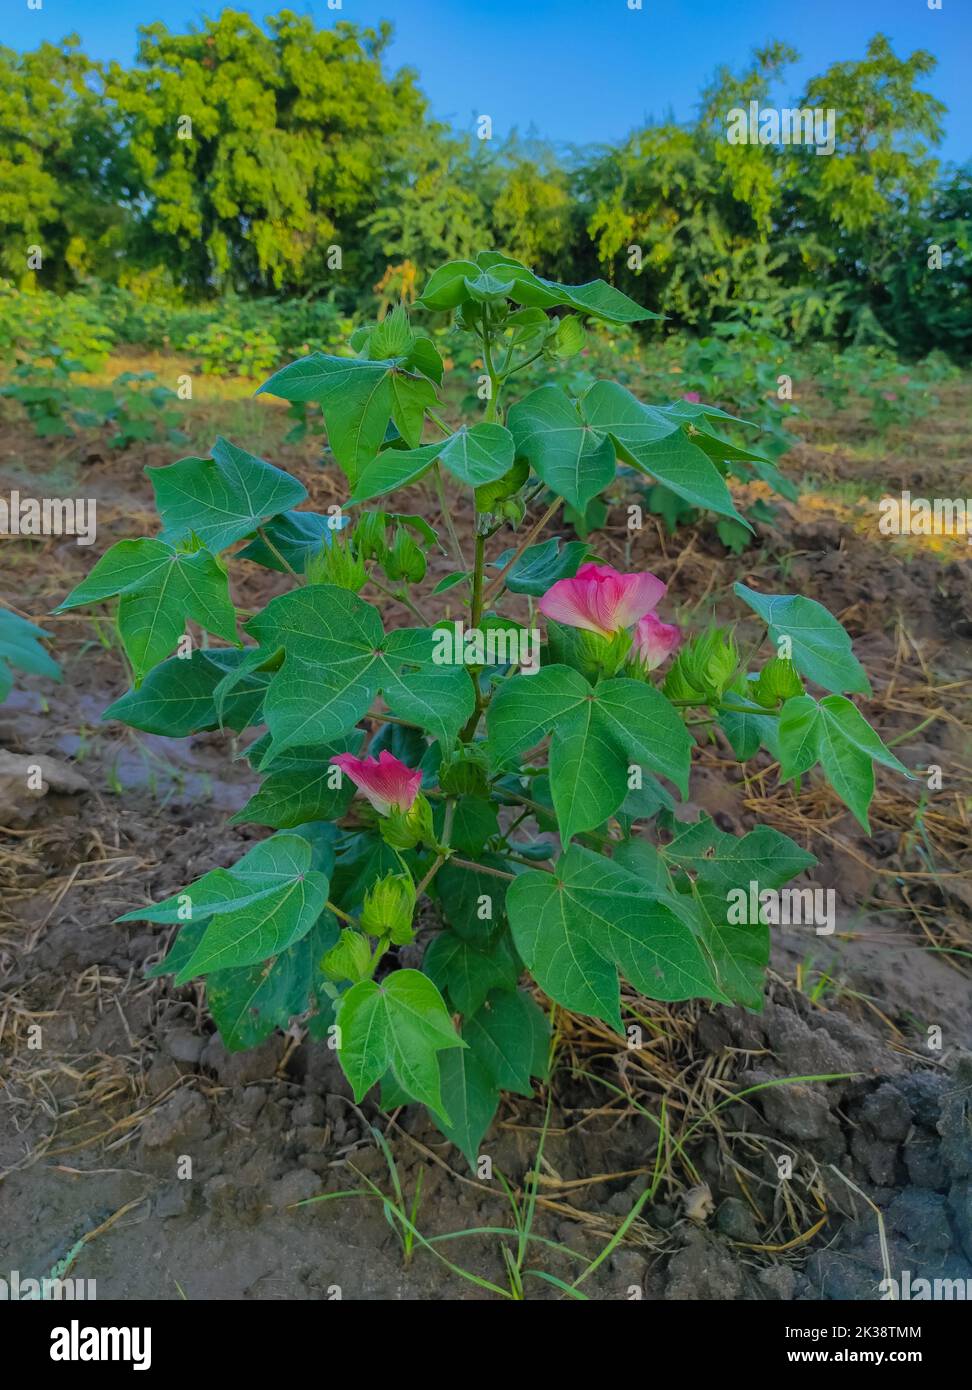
(599, 599)
(654, 641)
(692, 396)
(385, 780)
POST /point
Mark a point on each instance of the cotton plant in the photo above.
(457, 847)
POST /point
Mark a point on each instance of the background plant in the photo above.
(534, 809)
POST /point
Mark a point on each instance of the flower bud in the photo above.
(704, 668)
(369, 536)
(778, 680)
(393, 337)
(389, 907)
(404, 829)
(405, 560)
(599, 656)
(349, 959)
(337, 564)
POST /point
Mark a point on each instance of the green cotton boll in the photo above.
(678, 686)
(392, 338)
(704, 668)
(599, 656)
(349, 959)
(405, 560)
(406, 829)
(369, 536)
(337, 564)
(389, 907)
(778, 680)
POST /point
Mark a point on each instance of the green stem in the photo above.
(447, 517)
(527, 541)
(261, 532)
(400, 597)
(478, 568)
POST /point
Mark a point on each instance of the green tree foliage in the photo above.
(286, 157)
(62, 176)
(288, 126)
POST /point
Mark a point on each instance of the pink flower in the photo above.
(601, 600)
(692, 396)
(654, 641)
(385, 780)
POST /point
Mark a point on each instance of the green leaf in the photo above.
(475, 455)
(730, 861)
(821, 649)
(467, 973)
(177, 697)
(740, 952)
(221, 499)
(338, 657)
(411, 396)
(267, 901)
(474, 821)
(478, 454)
(575, 928)
(20, 646)
(657, 445)
(474, 903)
(361, 859)
(248, 1004)
(295, 536)
(510, 1036)
(599, 733)
(749, 728)
(568, 455)
(392, 469)
(834, 733)
(525, 708)
(542, 565)
(159, 588)
(298, 790)
(446, 287)
(471, 1098)
(401, 1024)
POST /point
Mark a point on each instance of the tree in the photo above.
(62, 184)
(258, 148)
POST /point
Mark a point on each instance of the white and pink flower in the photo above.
(600, 599)
(654, 641)
(386, 781)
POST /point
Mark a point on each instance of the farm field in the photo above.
(132, 1073)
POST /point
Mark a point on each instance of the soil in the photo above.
(135, 1147)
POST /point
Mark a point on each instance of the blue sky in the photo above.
(524, 61)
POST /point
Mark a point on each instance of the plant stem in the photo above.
(478, 567)
(401, 598)
(447, 517)
(527, 541)
(481, 868)
(443, 855)
(332, 907)
(261, 532)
